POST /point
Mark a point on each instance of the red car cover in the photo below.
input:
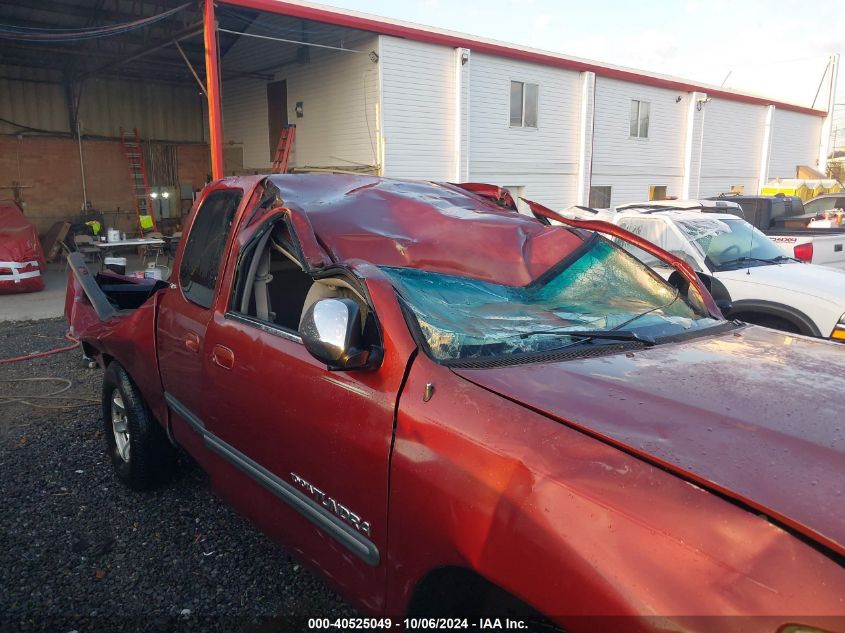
(21, 258)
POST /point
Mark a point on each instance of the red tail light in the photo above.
(804, 252)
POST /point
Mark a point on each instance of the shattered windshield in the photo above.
(729, 244)
(602, 290)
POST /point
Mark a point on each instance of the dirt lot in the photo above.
(79, 552)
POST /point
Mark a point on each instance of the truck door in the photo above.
(185, 311)
(309, 448)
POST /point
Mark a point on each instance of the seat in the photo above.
(85, 245)
(151, 251)
(172, 245)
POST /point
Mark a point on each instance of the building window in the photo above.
(639, 118)
(599, 197)
(524, 103)
(657, 192)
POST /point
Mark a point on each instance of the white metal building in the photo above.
(401, 100)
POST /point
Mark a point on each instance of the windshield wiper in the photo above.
(614, 335)
(620, 334)
(743, 260)
(770, 260)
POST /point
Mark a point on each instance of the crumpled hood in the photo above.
(753, 413)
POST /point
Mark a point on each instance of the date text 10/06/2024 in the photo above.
(410, 624)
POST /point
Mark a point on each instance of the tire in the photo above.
(140, 453)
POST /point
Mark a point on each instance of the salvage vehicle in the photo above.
(22, 262)
(450, 409)
(801, 230)
(752, 278)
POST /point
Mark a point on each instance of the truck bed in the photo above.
(111, 294)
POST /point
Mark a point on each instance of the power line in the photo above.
(279, 39)
(39, 34)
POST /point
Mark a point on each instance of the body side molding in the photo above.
(356, 542)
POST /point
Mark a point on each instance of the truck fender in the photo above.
(804, 323)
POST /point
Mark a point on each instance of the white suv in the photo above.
(752, 275)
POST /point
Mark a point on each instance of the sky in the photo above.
(777, 48)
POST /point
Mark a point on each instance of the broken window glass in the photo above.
(727, 244)
(602, 289)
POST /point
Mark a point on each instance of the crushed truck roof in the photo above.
(438, 227)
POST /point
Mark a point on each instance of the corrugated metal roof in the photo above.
(160, 111)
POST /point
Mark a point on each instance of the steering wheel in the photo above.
(724, 256)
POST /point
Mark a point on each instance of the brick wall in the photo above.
(49, 167)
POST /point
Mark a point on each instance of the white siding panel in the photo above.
(339, 93)
(543, 160)
(418, 97)
(630, 165)
(245, 120)
(732, 145)
(795, 141)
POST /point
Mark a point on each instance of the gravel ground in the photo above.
(79, 552)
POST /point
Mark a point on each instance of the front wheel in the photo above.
(773, 322)
(140, 453)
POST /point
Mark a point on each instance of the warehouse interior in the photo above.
(80, 78)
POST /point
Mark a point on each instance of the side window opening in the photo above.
(273, 287)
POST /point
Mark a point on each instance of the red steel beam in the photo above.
(212, 82)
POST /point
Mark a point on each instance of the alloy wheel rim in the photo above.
(120, 426)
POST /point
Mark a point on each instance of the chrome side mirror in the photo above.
(331, 332)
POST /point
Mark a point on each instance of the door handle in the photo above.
(192, 342)
(223, 357)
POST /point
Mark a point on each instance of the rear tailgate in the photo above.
(829, 248)
(85, 302)
(828, 245)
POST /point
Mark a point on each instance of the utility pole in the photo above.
(824, 141)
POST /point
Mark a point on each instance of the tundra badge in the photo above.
(330, 504)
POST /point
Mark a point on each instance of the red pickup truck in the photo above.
(451, 409)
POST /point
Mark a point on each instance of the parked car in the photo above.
(448, 408)
(22, 261)
(756, 282)
(798, 228)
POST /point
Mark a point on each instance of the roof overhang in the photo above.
(407, 30)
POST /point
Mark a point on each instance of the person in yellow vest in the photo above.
(95, 227)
